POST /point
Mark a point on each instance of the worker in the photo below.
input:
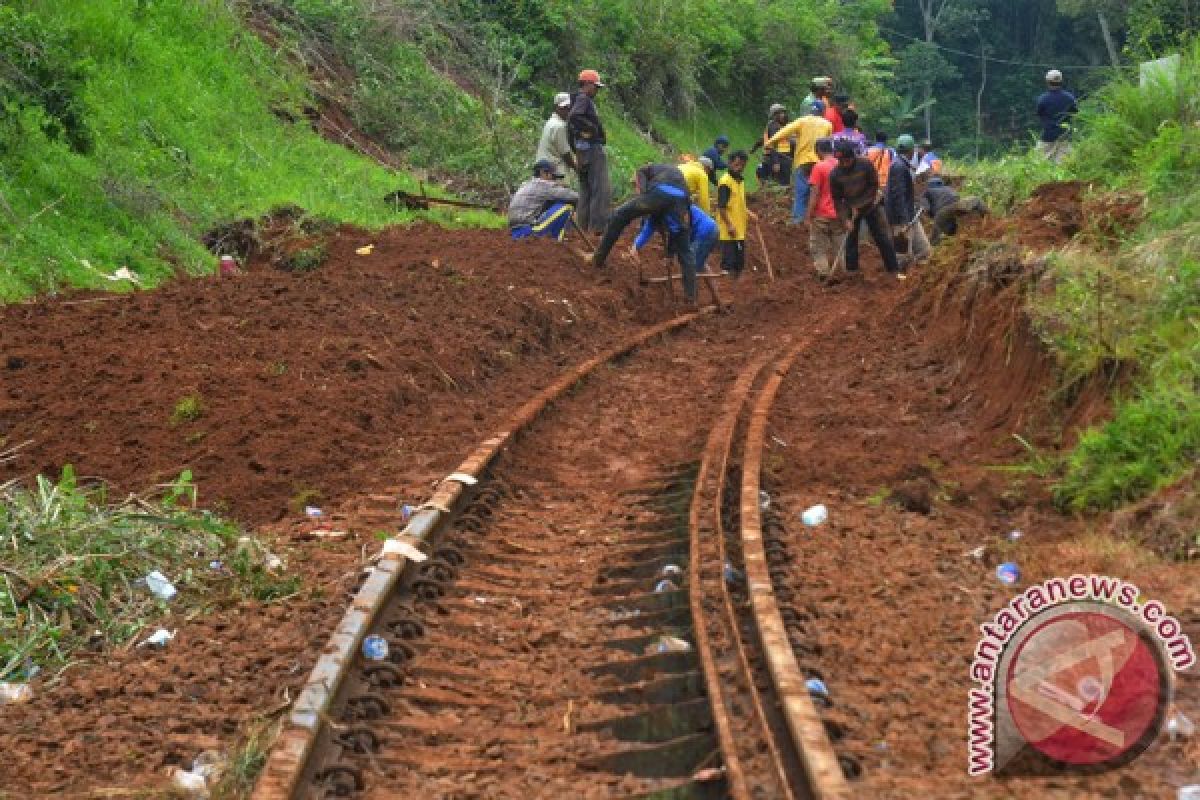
(947, 210)
(1055, 108)
(804, 132)
(591, 157)
(716, 154)
(927, 161)
(555, 144)
(698, 174)
(851, 133)
(777, 159)
(854, 185)
(819, 91)
(825, 233)
(833, 112)
(733, 218)
(880, 156)
(703, 239)
(661, 190)
(900, 202)
(542, 206)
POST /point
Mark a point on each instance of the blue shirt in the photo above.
(1054, 108)
(715, 155)
(703, 226)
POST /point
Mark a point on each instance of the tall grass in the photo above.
(1139, 305)
(188, 114)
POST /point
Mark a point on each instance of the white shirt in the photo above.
(554, 143)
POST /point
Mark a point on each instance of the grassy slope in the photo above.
(180, 103)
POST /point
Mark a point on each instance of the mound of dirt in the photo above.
(291, 380)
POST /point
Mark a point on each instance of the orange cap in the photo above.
(590, 76)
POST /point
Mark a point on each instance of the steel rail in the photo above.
(823, 772)
(289, 755)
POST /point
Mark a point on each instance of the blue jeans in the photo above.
(800, 194)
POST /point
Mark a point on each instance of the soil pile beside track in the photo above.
(298, 378)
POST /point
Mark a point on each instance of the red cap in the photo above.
(590, 76)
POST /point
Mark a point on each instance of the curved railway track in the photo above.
(633, 646)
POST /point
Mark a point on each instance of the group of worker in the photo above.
(841, 186)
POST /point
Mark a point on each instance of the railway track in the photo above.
(579, 613)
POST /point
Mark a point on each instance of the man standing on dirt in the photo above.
(595, 188)
(542, 206)
(555, 144)
(900, 201)
(825, 233)
(1055, 108)
(733, 218)
(777, 158)
(854, 185)
(662, 190)
(804, 132)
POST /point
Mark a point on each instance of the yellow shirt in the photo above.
(697, 182)
(806, 130)
(735, 209)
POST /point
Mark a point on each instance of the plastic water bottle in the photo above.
(375, 647)
(764, 500)
(818, 691)
(1190, 792)
(1008, 573)
(15, 693)
(671, 644)
(671, 572)
(159, 586)
(1015, 536)
(812, 517)
(665, 586)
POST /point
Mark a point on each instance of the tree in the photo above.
(1105, 11)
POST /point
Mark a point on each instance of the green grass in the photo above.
(179, 99)
(73, 566)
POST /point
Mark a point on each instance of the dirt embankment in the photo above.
(277, 388)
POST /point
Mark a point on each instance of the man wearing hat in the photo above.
(542, 206)
(777, 158)
(1054, 109)
(819, 91)
(699, 174)
(591, 158)
(555, 144)
(716, 154)
(900, 203)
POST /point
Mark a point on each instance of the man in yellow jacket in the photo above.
(698, 174)
(733, 217)
(806, 131)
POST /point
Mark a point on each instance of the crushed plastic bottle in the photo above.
(814, 516)
(1178, 726)
(13, 694)
(670, 644)
(158, 639)
(764, 500)
(671, 572)
(1008, 573)
(188, 783)
(159, 586)
(665, 586)
(819, 692)
(375, 647)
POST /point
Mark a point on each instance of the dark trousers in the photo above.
(877, 224)
(595, 189)
(650, 204)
